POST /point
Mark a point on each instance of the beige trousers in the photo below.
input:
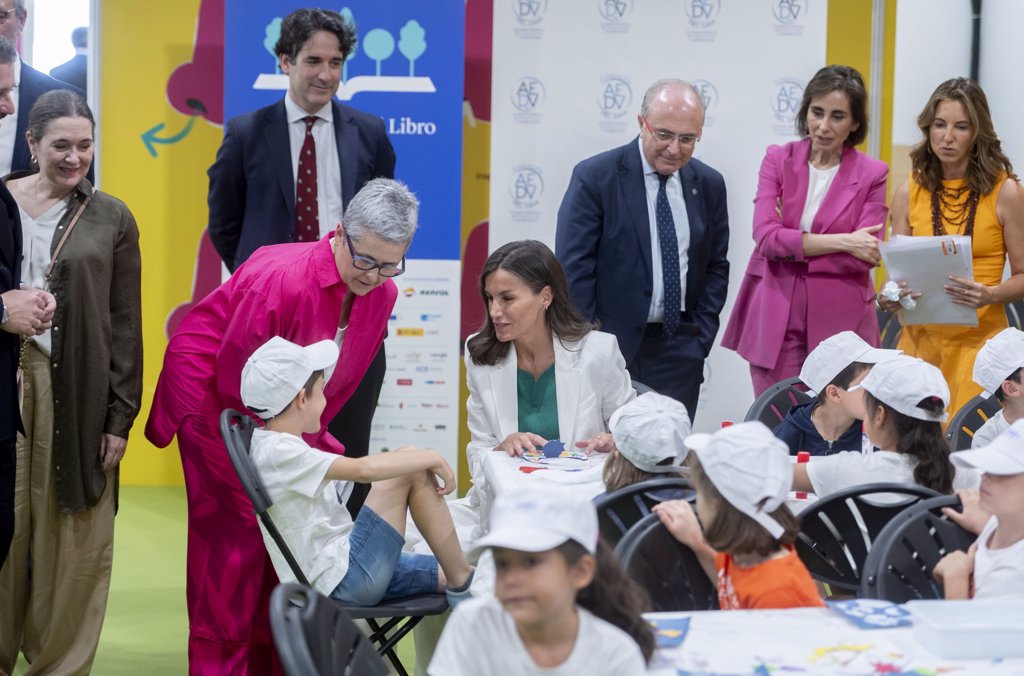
(54, 584)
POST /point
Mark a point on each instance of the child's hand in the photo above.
(973, 518)
(443, 471)
(517, 443)
(954, 572)
(680, 520)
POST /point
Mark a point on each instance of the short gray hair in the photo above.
(7, 53)
(660, 85)
(385, 208)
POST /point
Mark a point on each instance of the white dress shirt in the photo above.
(9, 125)
(328, 165)
(674, 192)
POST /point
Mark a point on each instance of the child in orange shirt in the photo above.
(743, 476)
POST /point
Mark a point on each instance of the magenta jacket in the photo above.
(840, 292)
(289, 290)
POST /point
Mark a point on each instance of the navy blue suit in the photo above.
(10, 348)
(33, 85)
(252, 204)
(603, 241)
(252, 188)
(73, 71)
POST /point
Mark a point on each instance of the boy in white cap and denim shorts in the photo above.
(360, 563)
(997, 369)
(648, 433)
(994, 565)
(832, 421)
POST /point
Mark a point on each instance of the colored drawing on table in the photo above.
(670, 632)
(872, 613)
(573, 457)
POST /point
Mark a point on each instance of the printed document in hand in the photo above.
(925, 264)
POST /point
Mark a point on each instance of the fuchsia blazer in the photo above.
(840, 292)
(288, 290)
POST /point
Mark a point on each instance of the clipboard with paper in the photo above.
(925, 263)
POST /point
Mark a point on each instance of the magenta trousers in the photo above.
(794, 344)
(229, 573)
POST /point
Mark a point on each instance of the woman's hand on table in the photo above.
(862, 244)
(111, 450)
(518, 443)
(963, 291)
(602, 442)
(894, 305)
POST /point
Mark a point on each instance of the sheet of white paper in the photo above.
(926, 263)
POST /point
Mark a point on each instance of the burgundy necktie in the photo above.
(307, 221)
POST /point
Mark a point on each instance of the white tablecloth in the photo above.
(808, 641)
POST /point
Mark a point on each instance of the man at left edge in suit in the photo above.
(24, 311)
(285, 173)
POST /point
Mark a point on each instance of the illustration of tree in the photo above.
(346, 14)
(272, 32)
(379, 45)
(412, 43)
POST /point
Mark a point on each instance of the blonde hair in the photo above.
(619, 472)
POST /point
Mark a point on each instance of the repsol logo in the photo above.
(406, 126)
(433, 292)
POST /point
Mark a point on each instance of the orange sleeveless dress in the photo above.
(953, 348)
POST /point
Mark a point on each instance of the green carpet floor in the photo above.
(146, 628)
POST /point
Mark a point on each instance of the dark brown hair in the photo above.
(299, 26)
(1000, 394)
(730, 530)
(619, 472)
(987, 159)
(535, 264)
(612, 595)
(922, 440)
(843, 379)
(842, 79)
(55, 104)
(307, 388)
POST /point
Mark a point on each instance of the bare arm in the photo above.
(400, 462)
(801, 481)
(954, 572)
(680, 520)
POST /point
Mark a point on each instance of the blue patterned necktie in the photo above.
(669, 260)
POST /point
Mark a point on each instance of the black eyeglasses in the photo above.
(367, 264)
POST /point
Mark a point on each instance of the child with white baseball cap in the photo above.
(904, 401)
(995, 562)
(283, 383)
(997, 369)
(832, 421)
(649, 434)
(562, 604)
(742, 475)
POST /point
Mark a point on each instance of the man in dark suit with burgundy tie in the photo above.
(643, 234)
(284, 173)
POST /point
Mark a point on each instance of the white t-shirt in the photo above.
(481, 638)
(832, 473)
(818, 182)
(988, 432)
(308, 509)
(998, 573)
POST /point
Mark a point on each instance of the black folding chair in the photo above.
(774, 403)
(667, 569)
(401, 615)
(837, 531)
(889, 329)
(315, 637)
(969, 419)
(899, 567)
(1015, 314)
(619, 511)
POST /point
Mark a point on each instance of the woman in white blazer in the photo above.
(537, 370)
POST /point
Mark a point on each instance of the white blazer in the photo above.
(591, 381)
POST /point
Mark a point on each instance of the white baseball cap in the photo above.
(1004, 456)
(834, 354)
(275, 373)
(904, 382)
(750, 467)
(536, 520)
(998, 358)
(650, 432)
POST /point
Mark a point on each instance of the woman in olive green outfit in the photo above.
(81, 388)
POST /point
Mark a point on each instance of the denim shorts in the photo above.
(378, 569)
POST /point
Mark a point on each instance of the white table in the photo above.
(808, 641)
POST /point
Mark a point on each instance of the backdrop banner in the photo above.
(568, 82)
(407, 68)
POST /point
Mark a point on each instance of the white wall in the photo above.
(1002, 58)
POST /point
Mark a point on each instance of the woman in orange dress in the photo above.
(962, 183)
